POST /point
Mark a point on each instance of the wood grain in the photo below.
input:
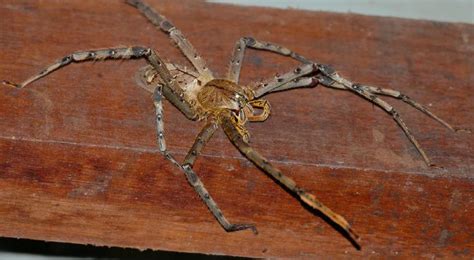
(78, 162)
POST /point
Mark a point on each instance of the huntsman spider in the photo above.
(223, 102)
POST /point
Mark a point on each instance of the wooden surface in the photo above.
(78, 162)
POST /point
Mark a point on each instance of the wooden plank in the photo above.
(78, 162)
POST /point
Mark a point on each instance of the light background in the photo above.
(439, 10)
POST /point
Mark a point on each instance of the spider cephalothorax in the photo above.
(223, 102)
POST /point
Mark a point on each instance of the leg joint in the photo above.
(138, 52)
(249, 41)
(325, 69)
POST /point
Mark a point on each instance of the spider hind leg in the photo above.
(186, 167)
(307, 198)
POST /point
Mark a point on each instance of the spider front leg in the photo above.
(302, 82)
(330, 78)
(307, 198)
(301, 76)
(398, 95)
(248, 42)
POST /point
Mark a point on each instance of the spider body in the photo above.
(224, 102)
(208, 100)
(220, 94)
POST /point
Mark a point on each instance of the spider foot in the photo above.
(238, 227)
(11, 84)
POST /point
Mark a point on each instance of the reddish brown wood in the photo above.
(78, 162)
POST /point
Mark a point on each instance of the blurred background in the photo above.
(439, 10)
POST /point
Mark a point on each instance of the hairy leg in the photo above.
(398, 95)
(183, 44)
(191, 176)
(198, 186)
(327, 76)
(330, 78)
(248, 42)
(286, 81)
(160, 127)
(92, 55)
(302, 82)
(276, 174)
(171, 90)
(203, 137)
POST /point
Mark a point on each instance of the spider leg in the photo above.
(288, 80)
(198, 186)
(302, 82)
(92, 55)
(313, 81)
(330, 78)
(183, 44)
(203, 137)
(287, 182)
(191, 176)
(172, 91)
(160, 129)
(398, 95)
(248, 42)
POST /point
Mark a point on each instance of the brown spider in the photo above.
(224, 102)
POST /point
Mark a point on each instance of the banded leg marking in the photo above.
(198, 186)
(191, 176)
(184, 45)
(171, 90)
(281, 81)
(238, 53)
(331, 79)
(160, 129)
(390, 110)
(266, 166)
(203, 137)
(398, 95)
(301, 82)
(93, 55)
(201, 140)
